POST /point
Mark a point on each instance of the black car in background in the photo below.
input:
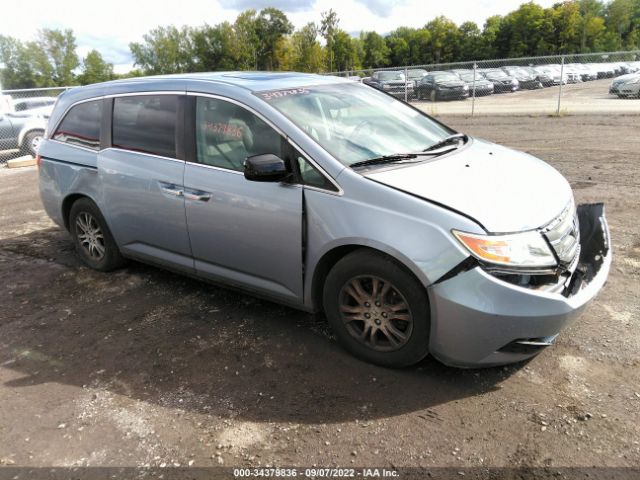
(414, 75)
(442, 86)
(525, 79)
(390, 81)
(482, 85)
(501, 81)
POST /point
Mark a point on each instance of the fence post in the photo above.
(406, 80)
(473, 98)
(561, 82)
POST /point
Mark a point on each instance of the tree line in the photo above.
(267, 40)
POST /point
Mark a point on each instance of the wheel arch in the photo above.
(23, 134)
(328, 260)
(68, 202)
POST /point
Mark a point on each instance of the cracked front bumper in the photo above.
(476, 317)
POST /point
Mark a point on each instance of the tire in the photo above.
(396, 331)
(31, 141)
(93, 240)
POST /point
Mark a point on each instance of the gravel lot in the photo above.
(142, 367)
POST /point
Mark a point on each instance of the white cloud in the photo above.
(109, 27)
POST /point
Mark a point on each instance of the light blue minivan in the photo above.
(327, 195)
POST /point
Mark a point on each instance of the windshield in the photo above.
(354, 122)
(468, 77)
(496, 74)
(391, 76)
(445, 77)
(417, 73)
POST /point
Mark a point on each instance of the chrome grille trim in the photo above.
(563, 233)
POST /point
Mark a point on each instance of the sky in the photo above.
(110, 26)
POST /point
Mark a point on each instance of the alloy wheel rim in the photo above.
(375, 313)
(35, 143)
(90, 235)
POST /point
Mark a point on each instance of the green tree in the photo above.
(445, 39)
(271, 25)
(328, 28)
(470, 41)
(59, 46)
(214, 47)
(164, 50)
(95, 69)
(346, 55)
(375, 50)
(307, 51)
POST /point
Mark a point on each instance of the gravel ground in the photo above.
(142, 367)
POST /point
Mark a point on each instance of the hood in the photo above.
(503, 189)
(626, 78)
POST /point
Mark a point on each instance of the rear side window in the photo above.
(146, 124)
(81, 125)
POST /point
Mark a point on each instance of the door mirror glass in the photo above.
(265, 168)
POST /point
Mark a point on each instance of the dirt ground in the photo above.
(142, 367)
(587, 97)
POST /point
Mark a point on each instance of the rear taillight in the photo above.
(38, 161)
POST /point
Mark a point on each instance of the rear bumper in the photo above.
(480, 320)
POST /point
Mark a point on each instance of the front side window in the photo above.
(81, 125)
(145, 123)
(354, 122)
(226, 134)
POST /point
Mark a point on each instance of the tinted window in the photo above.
(146, 124)
(226, 134)
(81, 126)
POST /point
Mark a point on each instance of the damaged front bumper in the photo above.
(478, 319)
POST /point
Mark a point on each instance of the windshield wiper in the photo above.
(397, 157)
(451, 139)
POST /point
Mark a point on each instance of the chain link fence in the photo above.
(23, 118)
(560, 84)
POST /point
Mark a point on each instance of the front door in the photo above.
(243, 232)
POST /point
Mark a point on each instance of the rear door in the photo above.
(243, 232)
(8, 139)
(142, 178)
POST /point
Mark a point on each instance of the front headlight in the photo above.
(526, 249)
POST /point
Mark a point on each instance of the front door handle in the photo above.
(171, 189)
(196, 195)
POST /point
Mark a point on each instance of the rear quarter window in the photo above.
(81, 125)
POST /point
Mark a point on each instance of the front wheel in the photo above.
(31, 142)
(378, 310)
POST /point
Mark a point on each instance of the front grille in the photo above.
(563, 233)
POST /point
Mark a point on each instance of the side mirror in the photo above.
(265, 168)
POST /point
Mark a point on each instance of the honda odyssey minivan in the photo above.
(327, 195)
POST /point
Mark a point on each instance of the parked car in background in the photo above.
(28, 105)
(482, 85)
(414, 75)
(553, 74)
(501, 81)
(442, 86)
(392, 82)
(626, 86)
(586, 72)
(327, 195)
(22, 131)
(544, 78)
(525, 79)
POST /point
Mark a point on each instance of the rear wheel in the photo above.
(93, 240)
(378, 310)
